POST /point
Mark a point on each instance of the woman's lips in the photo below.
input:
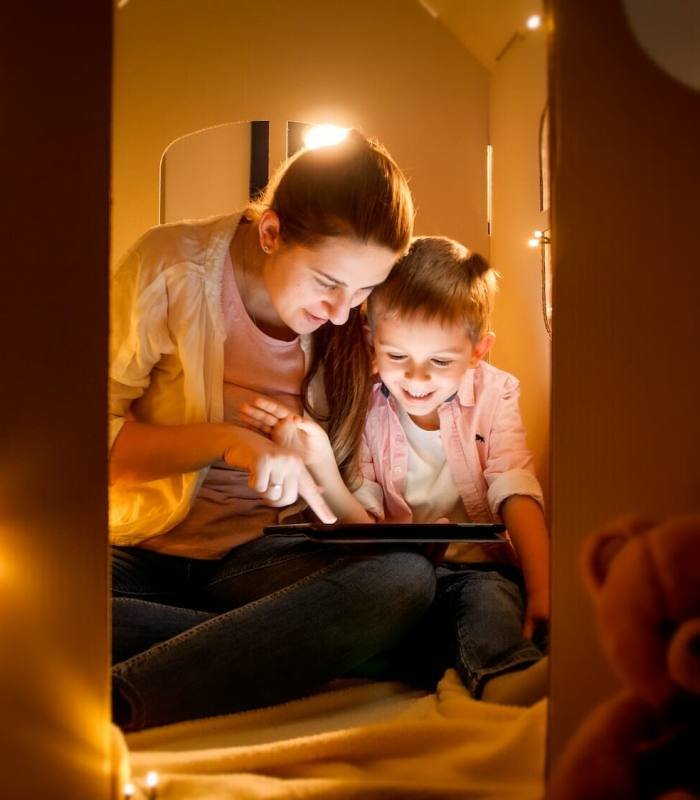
(314, 319)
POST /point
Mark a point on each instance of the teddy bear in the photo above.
(644, 742)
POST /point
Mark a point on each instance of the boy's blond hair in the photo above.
(438, 279)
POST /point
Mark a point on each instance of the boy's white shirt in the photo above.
(430, 488)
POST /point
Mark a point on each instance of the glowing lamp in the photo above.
(324, 136)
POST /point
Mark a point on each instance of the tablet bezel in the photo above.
(395, 532)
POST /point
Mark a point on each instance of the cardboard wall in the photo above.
(54, 633)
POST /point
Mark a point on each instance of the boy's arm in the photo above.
(336, 494)
(526, 526)
(516, 496)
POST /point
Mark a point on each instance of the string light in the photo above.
(533, 22)
(538, 238)
(129, 790)
(152, 783)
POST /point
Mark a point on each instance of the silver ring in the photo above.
(275, 486)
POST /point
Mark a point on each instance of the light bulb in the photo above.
(324, 135)
(534, 22)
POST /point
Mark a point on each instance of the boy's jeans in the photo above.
(273, 620)
(474, 625)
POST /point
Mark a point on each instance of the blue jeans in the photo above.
(275, 619)
(474, 625)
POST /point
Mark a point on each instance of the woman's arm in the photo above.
(526, 526)
(143, 452)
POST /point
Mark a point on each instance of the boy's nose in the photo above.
(417, 373)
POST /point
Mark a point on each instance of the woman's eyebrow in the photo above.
(330, 277)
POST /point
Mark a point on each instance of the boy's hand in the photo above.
(536, 611)
(289, 430)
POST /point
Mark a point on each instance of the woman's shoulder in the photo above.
(199, 244)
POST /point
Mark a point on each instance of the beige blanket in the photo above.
(376, 740)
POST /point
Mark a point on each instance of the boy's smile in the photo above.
(422, 363)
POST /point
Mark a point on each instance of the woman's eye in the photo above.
(441, 362)
(395, 357)
(328, 286)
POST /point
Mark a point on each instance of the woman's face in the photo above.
(311, 285)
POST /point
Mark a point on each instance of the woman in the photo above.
(209, 616)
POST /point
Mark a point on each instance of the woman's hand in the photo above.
(302, 436)
(277, 473)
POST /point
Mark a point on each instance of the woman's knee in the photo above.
(403, 583)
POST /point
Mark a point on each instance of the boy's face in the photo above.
(422, 363)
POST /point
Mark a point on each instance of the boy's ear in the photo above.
(482, 347)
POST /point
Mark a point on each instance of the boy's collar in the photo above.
(466, 388)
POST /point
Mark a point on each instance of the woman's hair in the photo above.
(438, 279)
(355, 189)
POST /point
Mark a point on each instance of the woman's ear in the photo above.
(482, 347)
(269, 231)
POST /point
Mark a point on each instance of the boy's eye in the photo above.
(440, 362)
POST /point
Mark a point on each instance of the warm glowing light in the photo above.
(129, 791)
(324, 135)
(534, 22)
(152, 780)
(538, 238)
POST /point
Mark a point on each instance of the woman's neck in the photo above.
(248, 264)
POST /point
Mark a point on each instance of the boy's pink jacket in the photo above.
(484, 441)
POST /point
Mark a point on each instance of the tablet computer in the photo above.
(394, 532)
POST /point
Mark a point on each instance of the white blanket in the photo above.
(376, 740)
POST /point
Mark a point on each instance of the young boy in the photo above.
(443, 440)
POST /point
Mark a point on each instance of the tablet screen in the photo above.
(346, 533)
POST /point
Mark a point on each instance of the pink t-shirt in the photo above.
(226, 512)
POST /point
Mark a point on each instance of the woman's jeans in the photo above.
(273, 620)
